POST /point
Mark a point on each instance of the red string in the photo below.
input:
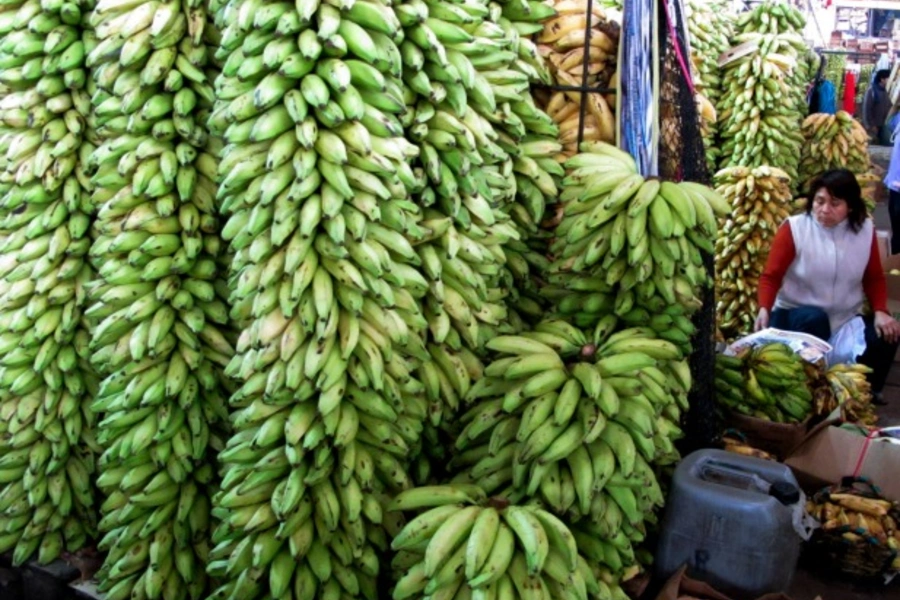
(865, 450)
(678, 54)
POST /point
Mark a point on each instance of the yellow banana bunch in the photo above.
(760, 201)
(47, 433)
(870, 518)
(835, 142)
(561, 43)
(853, 392)
(768, 382)
(709, 26)
(758, 112)
(824, 398)
(460, 540)
(739, 446)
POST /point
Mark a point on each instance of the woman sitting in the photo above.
(822, 266)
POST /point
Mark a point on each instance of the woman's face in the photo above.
(828, 210)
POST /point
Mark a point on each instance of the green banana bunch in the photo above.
(560, 416)
(626, 245)
(760, 111)
(835, 66)
(461, 544)
(521, 20)
(530, 137)
(804, 75)
(760, 200)
(482, 140)
(768, 382)
(47, 443)
(327, 286)
(709, 26)
(863, 83)
(302, 530)
(157, 306)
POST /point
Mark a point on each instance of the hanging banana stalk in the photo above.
(47, 448)
(155, 307)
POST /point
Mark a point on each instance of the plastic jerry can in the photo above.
(731, 518)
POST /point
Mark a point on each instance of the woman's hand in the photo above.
(762, 320)
(887, 327)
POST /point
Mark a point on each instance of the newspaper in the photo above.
(809, 347)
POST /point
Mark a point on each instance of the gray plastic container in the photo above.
(730, 518)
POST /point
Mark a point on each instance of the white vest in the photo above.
(828, 270)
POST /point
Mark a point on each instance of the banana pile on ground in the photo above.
(157, 305)
(629, 246)
(562, 44)
(760, 200)
(709, 25)
(835, 142)
(738, 445)
(768, 382)
(578, 422)
(461, 544)
(858, 518)
(758, 112)
(47, 436)
(853, 392)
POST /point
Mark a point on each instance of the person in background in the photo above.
(876, 106)
(822, 95)
(892, 182)
(822, 266)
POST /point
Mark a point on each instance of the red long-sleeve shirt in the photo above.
(782, 254)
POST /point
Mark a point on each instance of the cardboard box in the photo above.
(680, 586)
(778, 439)
(829, 453)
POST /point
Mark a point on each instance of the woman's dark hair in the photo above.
(841, 184)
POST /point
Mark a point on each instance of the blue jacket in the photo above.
(824, 98)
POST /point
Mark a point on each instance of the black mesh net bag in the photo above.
(682, 158)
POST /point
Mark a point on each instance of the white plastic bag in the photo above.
(848, 342)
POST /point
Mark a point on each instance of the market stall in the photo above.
(359, 299)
